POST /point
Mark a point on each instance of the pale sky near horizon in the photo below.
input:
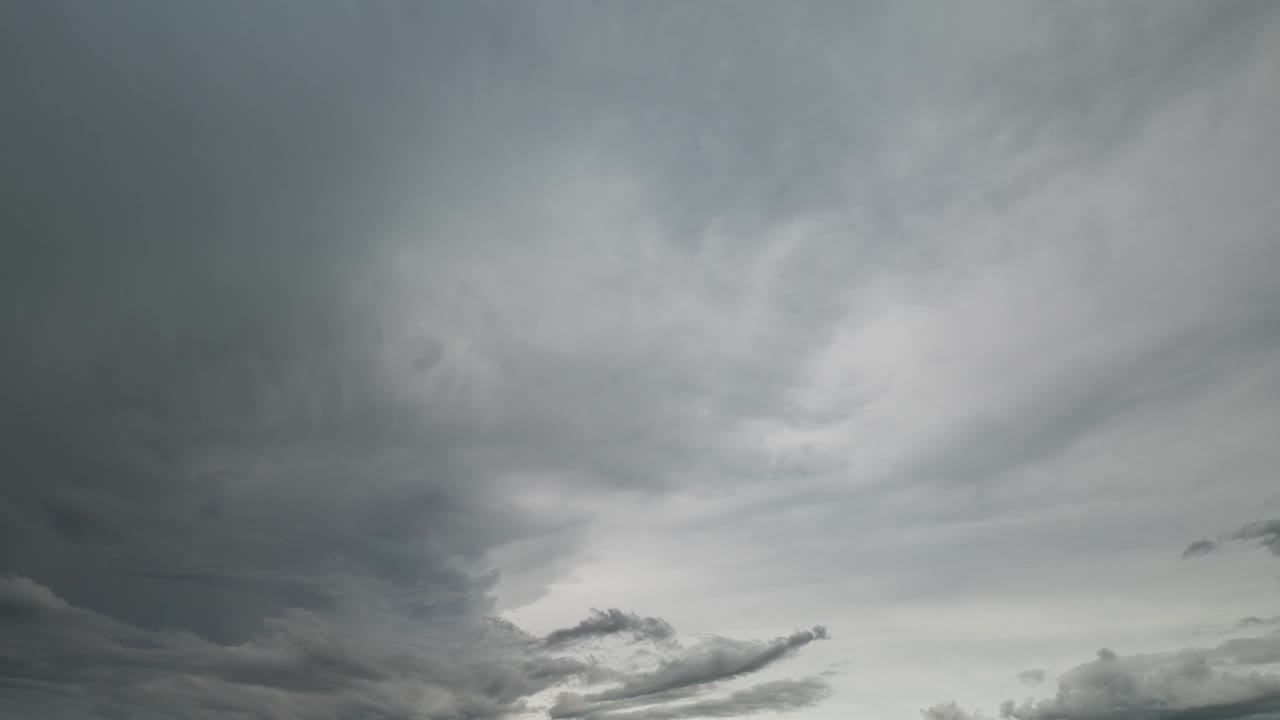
(640, 360)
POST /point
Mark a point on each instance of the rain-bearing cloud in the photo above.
(327, 311)
(302, 664)
(308, 305)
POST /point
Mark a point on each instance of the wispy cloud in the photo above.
(612, 622)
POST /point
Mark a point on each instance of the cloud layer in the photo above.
(335, 330)
(351, 663)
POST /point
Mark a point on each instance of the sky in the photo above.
(639, 360)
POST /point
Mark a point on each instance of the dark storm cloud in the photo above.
(611, 622)
(300, 665)
(242, 435)
(221, 405)
(201, 392)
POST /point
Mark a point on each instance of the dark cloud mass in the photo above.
(350, 350)
(304, 664)
(267, 420)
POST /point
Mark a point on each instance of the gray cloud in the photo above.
(710, 662)
(273, 379)
(1230, 681)
(1265, 533)
(1233, 680)
(1199, 547)
(611, 622)
(1251, 622)
(332, 317)
(948, 711)
(1031, 677)
(776, 696)
(1236, 679)
(301, 664)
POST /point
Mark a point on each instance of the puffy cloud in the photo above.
(1236, 679)
(948, 711)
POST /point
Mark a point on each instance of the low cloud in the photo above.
(947, 711)
(302, 665)
(1234, 680)
(1265, 533)
(777, 696)
(612, 622)
(1031, 677)
(1199, 547)
(1250, 623)
(353, 663)
(712, 661)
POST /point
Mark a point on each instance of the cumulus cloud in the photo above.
(948, 711)
(1236, 679)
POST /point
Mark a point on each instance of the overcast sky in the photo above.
(639, 360)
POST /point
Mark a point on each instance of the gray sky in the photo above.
(639, 361)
